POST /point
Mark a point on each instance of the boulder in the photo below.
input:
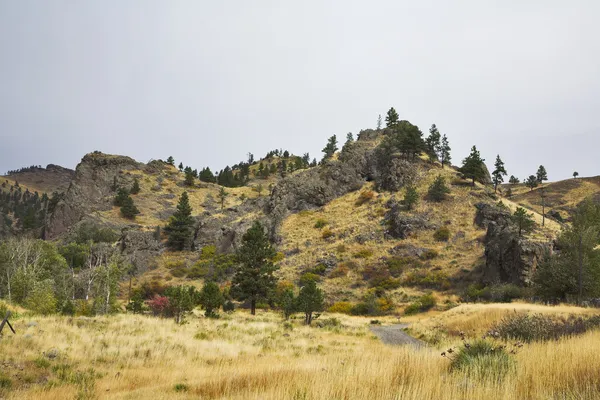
(399, 224)
(487, 213)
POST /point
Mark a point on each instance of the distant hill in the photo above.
(53, 178)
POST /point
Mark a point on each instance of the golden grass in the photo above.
(240, 357)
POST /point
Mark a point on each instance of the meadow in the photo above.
(264, 357)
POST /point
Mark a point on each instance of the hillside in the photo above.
(53, 178)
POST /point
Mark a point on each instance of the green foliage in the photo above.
(541, 174)
(539, 327)
(180, 227)
(41, 299)
(128, 209)
(473, 166)
(498, 173)
(531, 182)
(211, 299)
(213, 266)
(206, 175)
(442, 234)
(523, 220)
(135, 189)
(91, 232)
(438, 190)
(330, 149)
(432, 143)
(373, 304)
(428, 279)
(391, 118)
(482, 360)
(307, 277)
(182, 300)
(180, 387)
(121, 197)
(444, 154)
(321, 223)
(254, 278)
(189, 178)
(136, 304)
(342, 307)
(411, 197)
(504, 293)
(513, 180)
(310, 300)
(285, 299)
(575, 175)
(171, 160)
(424, 303)
(327, 233)
(222, 195)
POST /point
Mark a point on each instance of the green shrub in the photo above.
(327, 233)
(5, 382)
(442, 234)
(180, 387)
(342, 307)
(364, 253)
(429, 254)
(321, 223)
(396, 265)
(309, 277)
(319, 269)
(424, 303)
(482, 359)
(41, 299)
(84, 308)
(428, 279)
(496, 294)
(539, 327)
(328, 323)
(228, 306)
(438, 190)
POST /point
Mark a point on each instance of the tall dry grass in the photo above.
(239, 357)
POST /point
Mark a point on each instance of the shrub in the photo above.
(364, 197)
(328, 323)
(319, 269)
(364, 253)
(482, 359)
(442, 234)
(309, 277)
(180, 387)
(340, 248)
(228, 306)
(321, 223)
(396, 265)
(496, 293)
(5, 382)
(539, 327)
(84, 308)
(342, 307)
(327, 233)
(373, 305)
(159, 305)
(429, 254)
(428, 279)
(424, 303)
(411, 197)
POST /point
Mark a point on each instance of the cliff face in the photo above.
(91, 189)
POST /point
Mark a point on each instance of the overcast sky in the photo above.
(209, 81)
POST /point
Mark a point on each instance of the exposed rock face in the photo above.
(508, 257)
(400, 225)
(91, 189)
(139, 248)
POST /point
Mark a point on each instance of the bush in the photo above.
(328, 323)
(396, 265)
(482, 359)
(321, 223)
(373, 305)
(41, 299)
(84, 308)
(495, 294)
(340, 271)
(342, 307)
(424, 303)
(364, 253)
(539, 327)
(438, 190)
(428, 279)
(442, 234)
(309, 277)
(319, 269)
(327, 233)
(159, 305)
(340, 248)
(364, 197)
(228, 306)
(429, 254)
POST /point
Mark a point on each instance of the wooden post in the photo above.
(5, 321)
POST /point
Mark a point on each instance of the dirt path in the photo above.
(395, 335)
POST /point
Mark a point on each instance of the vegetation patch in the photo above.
(424, 303)
(539, 327)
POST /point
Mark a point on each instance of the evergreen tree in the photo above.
(445, 152)
(438, 189)
(286, 154)
(250, 158)
(523, 220)
(411, 197)
(181, 225)
(286, 300)
(254, 278)
(575, 175)
(121, 197)
(206, 175)
(182, 300)
(211, 299)
(499, 172)
(222, 195)
(189, 178)
(128, 209)
(541, 174)
(330, 149)
(181, 167)
(306, 160)
(531, 182)
(171, 160)
(432, 143)
(513, 180)
(310, 300)
(473, 167)
(135, 189)
(391, 118)
(379, 122)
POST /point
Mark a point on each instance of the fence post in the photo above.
(5, 321)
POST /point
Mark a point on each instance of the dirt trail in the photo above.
(395, 335)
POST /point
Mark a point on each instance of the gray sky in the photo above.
(209, 81)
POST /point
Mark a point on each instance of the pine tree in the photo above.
(171, 160)
(121, 197)
(499, 172)
(211, 299)
(181, 225)
(330, 149)
(411, 197)
(135, 189)
(473, 167)
(222, 195)
(254, 278)
(575, 175)
(541, 174)
(523, 220)
(438, 189)
(379, 122)
(391, 118)
(206, 175)
(531, 182)
(128, 209)
(445, 152)
(513, 180)
(180, 166)
(310, 300)
(189, 178)
(432, 142)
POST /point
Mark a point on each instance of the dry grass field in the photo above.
(263, 357)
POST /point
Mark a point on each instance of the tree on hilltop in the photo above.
(473, 167)
(499, 172)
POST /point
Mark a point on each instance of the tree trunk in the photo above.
(308, 319)
(253, 307)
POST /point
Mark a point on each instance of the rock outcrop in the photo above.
(508, 257)
(400, 225)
